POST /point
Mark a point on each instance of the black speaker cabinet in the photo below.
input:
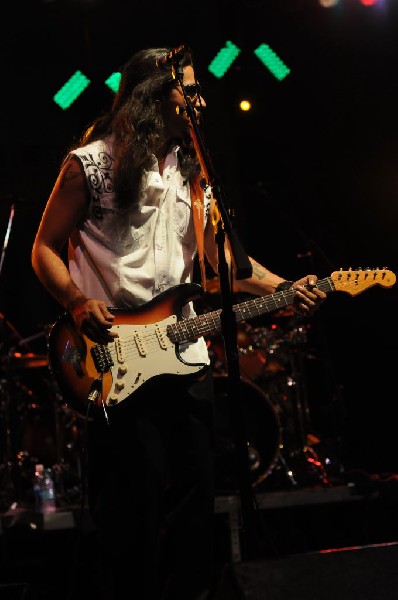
(355, 573)
(14, 591)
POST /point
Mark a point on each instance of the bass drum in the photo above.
(262, 431)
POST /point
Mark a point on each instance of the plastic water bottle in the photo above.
(43, 488)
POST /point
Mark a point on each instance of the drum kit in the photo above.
(281, 445)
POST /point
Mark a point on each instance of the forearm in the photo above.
(261, 282)
(55, 277)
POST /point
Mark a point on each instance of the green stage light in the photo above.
(223, 59)
(113, 81)
(71, 90)
(272, 61)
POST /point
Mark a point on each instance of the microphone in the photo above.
(171, 56)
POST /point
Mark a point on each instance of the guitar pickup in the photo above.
(162, 337)
(139, 342)
(102, 358)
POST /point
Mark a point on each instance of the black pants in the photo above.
(151, 492)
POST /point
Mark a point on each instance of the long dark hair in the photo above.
(137, 125)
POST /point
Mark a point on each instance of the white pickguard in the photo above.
(140, 353)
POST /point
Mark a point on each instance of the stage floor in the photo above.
(59, 549)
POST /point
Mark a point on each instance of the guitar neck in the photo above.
(210, 323)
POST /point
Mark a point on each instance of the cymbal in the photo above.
(17, 360)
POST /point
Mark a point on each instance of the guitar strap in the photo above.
(197, 203)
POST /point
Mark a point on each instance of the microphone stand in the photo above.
(7, 236)
(243, 268)
(7, 406)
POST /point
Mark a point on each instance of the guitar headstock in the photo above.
(355, 281)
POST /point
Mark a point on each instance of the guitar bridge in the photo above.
(102, 358)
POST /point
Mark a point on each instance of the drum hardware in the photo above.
(17, 361)
(253, 360)
(36, 427)
(304, 466)
(272, 360)
(8, 480)
(50, 433)
(262, 431)
(8, 335)
(280, 476)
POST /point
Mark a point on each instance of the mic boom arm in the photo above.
(172, 56)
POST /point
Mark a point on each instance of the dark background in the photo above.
(311, 172)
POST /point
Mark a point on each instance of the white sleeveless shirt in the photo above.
(127, 262)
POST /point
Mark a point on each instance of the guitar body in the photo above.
(87, 371)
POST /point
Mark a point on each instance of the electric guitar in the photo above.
(150, 336)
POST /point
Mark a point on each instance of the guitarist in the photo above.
(121, 205)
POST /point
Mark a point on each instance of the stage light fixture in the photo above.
(245, 105)
(271, 60)
(71, 90)
(113, 81)
(224, 59)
